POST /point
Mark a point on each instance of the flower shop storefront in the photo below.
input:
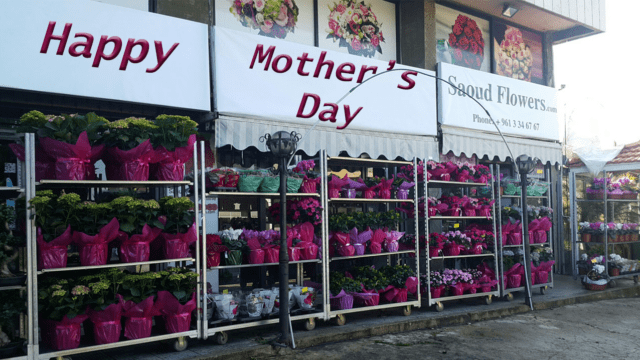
(264, 85)
(525, 114)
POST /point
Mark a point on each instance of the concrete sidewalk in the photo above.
(244, 344)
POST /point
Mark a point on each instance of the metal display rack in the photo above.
(609, 212)
(219, 328)
(391, 257)
(25, 187)
(177, 340)
(442, 260)
(505, 293)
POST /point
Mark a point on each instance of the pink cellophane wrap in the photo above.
(94, 250)
(436, 291)
(457, 289)
(73, 162)
(366, 298)
(169, 165)
(294, 253)
(63, 334)
(138, 318)
(337, 183)
(411, 284)
(53, 255)
(359, 239)
(136, 248)
(309, 186)
(107, 326)
(542, 277)
(176, 246)
(376, 241)
(360, 249)
(131, 165)
(342, 301)
(272, 254)
(177, 317)
(452, 249)
(45, 166)
(256, 256)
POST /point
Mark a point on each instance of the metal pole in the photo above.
(285, 338)
(527, 249)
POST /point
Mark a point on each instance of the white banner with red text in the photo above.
(517, 107)
(91, 49)
(263, 77)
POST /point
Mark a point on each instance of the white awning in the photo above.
(472, 142)
(242, 133)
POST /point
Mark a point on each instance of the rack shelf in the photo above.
(264, 264)
(371, 255)
(109, 183)
(79, 268)
(442, 184)
(88, 348)
(520, 197)
(257, 194)
(361, 200)
(460, 218)
(608, 200)
(14, 287)
(358, 162)
(462, 256)
(11, 188)
(377, 307)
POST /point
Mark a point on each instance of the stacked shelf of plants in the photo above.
(16, 338)
(460, 221)
(117, 260)
(245, 260)
(371, 249)
(605, 216)
(540, 215)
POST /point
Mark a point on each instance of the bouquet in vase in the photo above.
(356, 27)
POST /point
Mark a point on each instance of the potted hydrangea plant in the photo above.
(61, 307)
(173, 142)
(180, 227)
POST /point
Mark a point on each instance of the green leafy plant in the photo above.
(65, 128)
(173, 131)
(137, 287)
(507, 263)
(104, 286)
(340, 282)
(128, 133)
(62, 297)
(92, 217)
(133, 214)
(54, 213)
(371, 278)
(179, 213)
(180, 282)
(397, 275)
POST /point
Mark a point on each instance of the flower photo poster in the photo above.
(357, 27)
(290, 20)
(518, 53)
(462, 39)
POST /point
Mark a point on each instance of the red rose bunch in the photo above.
(466, 44)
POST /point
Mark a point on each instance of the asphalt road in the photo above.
(599, 330)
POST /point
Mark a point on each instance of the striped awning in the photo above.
(469, 142)
(242, 133)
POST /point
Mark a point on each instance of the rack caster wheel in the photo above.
(612, 284)
(543, 290)
(406, 311)
(439, 306)
(488, 300)
(222, 338)
(310, 324)
(508, 297)
(179, 344)
(340, 320)
(635, 279)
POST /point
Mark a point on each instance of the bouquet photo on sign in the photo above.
(356, 27)
(274, 18)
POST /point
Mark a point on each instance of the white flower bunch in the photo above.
(598, 268)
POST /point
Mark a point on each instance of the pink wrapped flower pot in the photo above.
(366, 298)
(334, 193)
(436, 291)
(107, 326)
(360, 249)
(542, 277)
(256, 256)
(457, 289)
(53, 254)
(342, 301)
(514, 238)
(63, 334)
(294, 253)
(349, 193)
(513, 281)
(402, 194)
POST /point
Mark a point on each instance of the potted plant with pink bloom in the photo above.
(310, 179)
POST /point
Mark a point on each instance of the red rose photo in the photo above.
(462, 39)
